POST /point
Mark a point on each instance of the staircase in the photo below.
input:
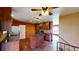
(64, 45)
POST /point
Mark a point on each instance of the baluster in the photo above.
(74, 48)
(60, 48)
(57, 47)
(64, 47)
(69, 48)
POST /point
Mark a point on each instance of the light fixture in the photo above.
(4, 32)
(12, 15)
(37, 20)
(44, 10)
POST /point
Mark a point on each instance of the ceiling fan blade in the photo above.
(36, 9)
(50, 13)
(40, 14)
(44, 8)
(53, 7)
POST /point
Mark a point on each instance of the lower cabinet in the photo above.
(19, 45)
(24, 45)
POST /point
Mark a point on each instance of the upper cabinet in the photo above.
(44, 26)
(5, 13)
(5, 18)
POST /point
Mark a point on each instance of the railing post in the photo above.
(69, 48)
(57, 46)
(74, 48)
(64, 47)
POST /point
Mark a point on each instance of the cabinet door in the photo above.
(24, 45)
(46, 26)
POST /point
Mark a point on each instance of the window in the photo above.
(55, 29)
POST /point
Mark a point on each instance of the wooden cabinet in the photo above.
(44, 26)
(24, 45)
(18, 45)
(5, 18)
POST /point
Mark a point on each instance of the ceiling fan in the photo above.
(45, 10)
(37, 18)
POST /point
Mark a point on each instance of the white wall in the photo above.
(19, 30)
(22, 30)
(69, 28)
(55, 18)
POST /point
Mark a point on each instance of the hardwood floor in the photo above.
(24, 45)
(46, 46)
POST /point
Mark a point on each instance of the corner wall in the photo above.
(69, 28)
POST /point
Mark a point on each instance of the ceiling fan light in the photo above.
(45, 12)
(44, 8)
(50, 13)
(40, 14)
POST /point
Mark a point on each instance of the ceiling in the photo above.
(68, 10)
(25, 14)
